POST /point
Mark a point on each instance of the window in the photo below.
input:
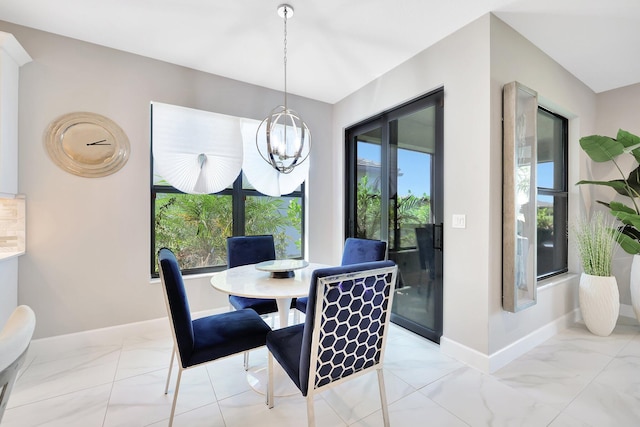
(195, 226)
(552, 204)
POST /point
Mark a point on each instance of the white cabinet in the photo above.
(12, 57)
(12, 233)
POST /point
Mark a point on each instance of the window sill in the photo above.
(556, 281)
(186, 277)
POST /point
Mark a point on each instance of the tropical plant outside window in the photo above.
(412, 210)
(196, 226)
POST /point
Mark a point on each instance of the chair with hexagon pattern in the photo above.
(344, 333)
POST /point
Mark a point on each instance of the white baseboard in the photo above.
(483, 362)
(626, 310)
(491, 363)
(117, 332)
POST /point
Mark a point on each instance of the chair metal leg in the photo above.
(173, 355)
(383, 397)
(311, 416)
(175, 396)
(246, 353)
(270, 381)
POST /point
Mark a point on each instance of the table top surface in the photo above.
(248, 281)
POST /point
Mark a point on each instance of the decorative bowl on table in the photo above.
(282, 268)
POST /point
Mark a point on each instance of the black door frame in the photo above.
(382, 121)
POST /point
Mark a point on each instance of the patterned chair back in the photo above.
(347, 321)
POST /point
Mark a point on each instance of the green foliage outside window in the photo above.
(196, 227)
(412, 211)
(294, 213)
(263, 215)
(368, 210)
(545, 219)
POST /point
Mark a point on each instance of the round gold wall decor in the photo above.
(87, 144)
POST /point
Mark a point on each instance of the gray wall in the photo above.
(515, 58)
(472, 65)
(460, 64)
(616, 109)
(88, 242)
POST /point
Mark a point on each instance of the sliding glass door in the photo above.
(394, 193)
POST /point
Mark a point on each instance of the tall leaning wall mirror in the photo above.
(520, 107)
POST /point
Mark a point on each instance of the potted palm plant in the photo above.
(607, 149)
(598, 295)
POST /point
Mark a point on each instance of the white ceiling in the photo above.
(337, 46)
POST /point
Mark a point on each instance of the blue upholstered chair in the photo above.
(355, 251)
(15, 338)
(243, 250)
(344, 333)
(208, 338)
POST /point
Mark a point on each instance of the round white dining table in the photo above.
(252, 282)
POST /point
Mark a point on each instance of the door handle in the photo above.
(438, 230)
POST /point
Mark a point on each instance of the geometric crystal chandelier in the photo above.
(283, 138)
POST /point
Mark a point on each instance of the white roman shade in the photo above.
(197, 152)
(261, 174)
(200, 152)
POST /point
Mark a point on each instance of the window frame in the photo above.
(563, 192)
(238, 196)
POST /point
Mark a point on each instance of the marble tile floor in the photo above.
(116, 377)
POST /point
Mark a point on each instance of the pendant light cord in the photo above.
(285, 57)
(283, 133)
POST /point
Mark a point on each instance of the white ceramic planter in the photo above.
(634, 285)
(599, 303)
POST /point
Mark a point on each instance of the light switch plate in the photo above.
(459, 221)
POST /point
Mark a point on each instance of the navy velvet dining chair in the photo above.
(243, 250)
(355, 251)
(344, 333)
(208, 338)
